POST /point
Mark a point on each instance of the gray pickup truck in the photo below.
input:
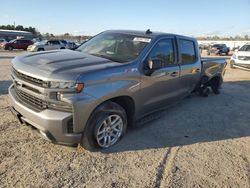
(90, 96)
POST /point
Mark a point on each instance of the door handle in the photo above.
(174, 74)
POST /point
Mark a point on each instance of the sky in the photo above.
(89, 17)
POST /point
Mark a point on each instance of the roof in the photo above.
(153, 34)
(14, 32)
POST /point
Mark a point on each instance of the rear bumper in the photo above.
(52, 124)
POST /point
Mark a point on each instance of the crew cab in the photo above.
(17, 44)
(47, 45)
(92, 95)
(218, 49)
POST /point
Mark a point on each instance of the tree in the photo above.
(19, 27)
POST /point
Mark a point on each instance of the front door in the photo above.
(162, 87)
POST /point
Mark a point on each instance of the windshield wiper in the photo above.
(107, 57)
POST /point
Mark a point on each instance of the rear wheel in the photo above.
(40, 49)
(106, 126)
(232, 65)
(215, 85)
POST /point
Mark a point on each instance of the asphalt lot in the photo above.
(201, 142)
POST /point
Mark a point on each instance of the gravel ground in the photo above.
(201, 142)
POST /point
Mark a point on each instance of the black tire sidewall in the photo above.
(88, 140)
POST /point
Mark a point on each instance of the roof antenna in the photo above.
(148, 32)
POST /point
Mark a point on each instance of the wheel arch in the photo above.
(128, 104)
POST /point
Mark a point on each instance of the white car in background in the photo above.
(46, 45)
(241, 58)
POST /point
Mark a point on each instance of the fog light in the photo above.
(59, 96)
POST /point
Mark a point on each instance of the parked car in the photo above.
(79, 44)
(64, 43)
(218, 49)
(46, 45)
(92, 95)
(71, 45)
(3, 41)
(241, 58)
(17, 44)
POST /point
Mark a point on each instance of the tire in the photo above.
(232, 66)
(10, 48)
(98, 129)
(215, 86)
(40, 49)
(62, 48)
(204, 91)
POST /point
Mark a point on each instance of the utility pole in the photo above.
(14, 24)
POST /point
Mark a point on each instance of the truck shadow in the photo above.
(4, 85)
(195, 120)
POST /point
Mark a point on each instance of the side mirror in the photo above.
(152, 65)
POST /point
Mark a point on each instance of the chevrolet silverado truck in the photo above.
(90, 96)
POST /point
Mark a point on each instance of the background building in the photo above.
(13, 34)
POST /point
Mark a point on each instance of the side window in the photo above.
(187, 51)
(56, 42)
(163, 51)
(52, 42)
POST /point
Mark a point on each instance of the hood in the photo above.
(60, 64)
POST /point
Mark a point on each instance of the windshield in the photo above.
(245, 48)
(218, 45)
(115, 46)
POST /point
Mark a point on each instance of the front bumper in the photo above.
(52, 124)
(240, 64)
(31, 49)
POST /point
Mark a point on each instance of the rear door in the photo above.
(190, 64)
(56, 45)
(162, 87)
(50, 45)
(15, 44)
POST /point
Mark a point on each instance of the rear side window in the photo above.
(187, 51)
(54, 42)
(163, 51)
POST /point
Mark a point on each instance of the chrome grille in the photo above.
(30, 79)
(34, 102)
(244, 58)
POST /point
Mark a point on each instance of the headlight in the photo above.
(62, 85)
(234, 56)
(67, 85)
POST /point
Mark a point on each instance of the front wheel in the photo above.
(106, 126)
